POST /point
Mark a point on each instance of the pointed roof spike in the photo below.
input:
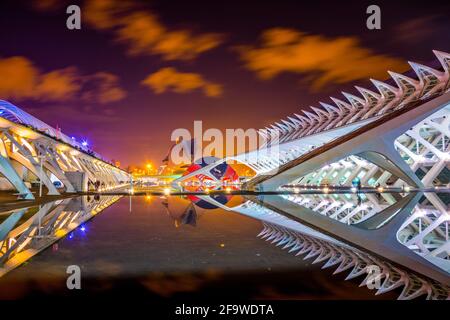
(274, 132)
(341, 104)
(310, 115)
(370, 96)
(444, 59)
(262, 131)
(380, 84)
(398, 77)
(274, 128)
(282, 127)
(365, 92)
(295, 121)
(354, 100)
(266, 228)
(330, 108)
(346, 263)
(431, 81)
(289, 124)
(281, 131)
(304, 120)
(357, 271)
(417, 67)
(389, 285)
(320, 111)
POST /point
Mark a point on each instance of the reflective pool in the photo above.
(205, 246)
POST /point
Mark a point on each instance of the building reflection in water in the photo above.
(26, 232)
(420, 229)
(377, 273)
(186, 212)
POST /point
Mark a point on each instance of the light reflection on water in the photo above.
(194, 237)
(26, 232)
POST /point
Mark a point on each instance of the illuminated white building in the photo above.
(31, 150)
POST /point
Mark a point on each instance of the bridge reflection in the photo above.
(26, 232)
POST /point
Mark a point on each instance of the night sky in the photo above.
(138, 70)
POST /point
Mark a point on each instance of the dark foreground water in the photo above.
(172, 248)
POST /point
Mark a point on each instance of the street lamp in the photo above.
(149, 167)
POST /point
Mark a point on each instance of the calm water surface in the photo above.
(175, 247)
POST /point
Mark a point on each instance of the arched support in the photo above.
(385, 159)
(8, 171)
(36, 171)
(26, 159)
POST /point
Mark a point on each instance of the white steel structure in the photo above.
(346, 208)
(31, 150)
(398, 136)
(404, 124)
(426, 232)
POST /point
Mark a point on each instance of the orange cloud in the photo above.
(100, 14)
(103, 88)
(142, 31)
(169, 79)
(18, 77)
(58, 85)
(47, 5)
(21, 80)
(324, 60)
